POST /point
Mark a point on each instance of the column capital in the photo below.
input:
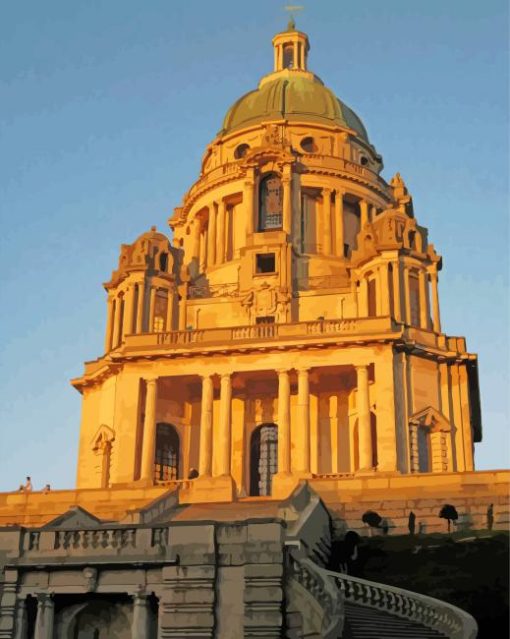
(339, 191)
(327, 190)
(206, 376)
(151, 380)
(226, 376)
(361, 367)
(282, 371)
(302, 370)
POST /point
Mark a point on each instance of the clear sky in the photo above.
(106, 108)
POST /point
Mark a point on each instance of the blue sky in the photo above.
(106, 108)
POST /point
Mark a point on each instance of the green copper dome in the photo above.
(299, 96)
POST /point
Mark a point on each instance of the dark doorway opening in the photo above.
(263, 459)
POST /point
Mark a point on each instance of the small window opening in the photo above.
(308, 145)
(163, 261)
(266, 263)
(347, 250)
(363, 160)
(266, 319)
(241, 151)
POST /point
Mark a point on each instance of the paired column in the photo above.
(363, 207)
(109, 323)
(249, 196)
(424, 321)
(140, 623)
(339, 223)
(149, 430)
(407, 295)
(225, 430)
(326, 220)
(206, 422)
(45, 618)
(196, 238)
(211, 236)
(397, 311)
(364, 428)
(116, 321)
(127, 322)
(384, 289)
(304, 415)
(436, 318)
(140, 303)
(152, 308)
(21, 620)
(283, 422)
(287, 200)
(220, 236)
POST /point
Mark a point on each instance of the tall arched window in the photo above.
(263, 459)
(166, 466)
(270, 203)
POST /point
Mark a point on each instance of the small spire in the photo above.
(291, 25)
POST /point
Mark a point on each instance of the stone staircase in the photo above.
(362, 622)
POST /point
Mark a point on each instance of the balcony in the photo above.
(332, 330)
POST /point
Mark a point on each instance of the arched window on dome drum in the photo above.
(263, 459)
(166, 463)
(270, 203)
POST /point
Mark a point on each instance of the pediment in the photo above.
(75, 517)
(432, 419)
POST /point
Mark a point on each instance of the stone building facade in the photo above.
(284, 345)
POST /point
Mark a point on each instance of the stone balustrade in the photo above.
(432, 613)
(227, 335)
(120, 540)
(324, 603)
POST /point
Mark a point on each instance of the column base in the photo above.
(283, 485)
(208, 490)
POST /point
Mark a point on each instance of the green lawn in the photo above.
(469, 570)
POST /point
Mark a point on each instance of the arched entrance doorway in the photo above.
(263, 459)
(166, 464)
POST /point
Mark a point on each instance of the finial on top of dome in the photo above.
(292, 8)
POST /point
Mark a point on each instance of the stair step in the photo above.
(370, 623)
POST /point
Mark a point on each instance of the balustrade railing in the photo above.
(95, 539)
(271, 331)
(432, 613)
(320, 587)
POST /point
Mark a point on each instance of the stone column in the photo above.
(333, 425)
(183, 292)
(424, 322)
(140, 307)
(44, 619)
(436, 317)
(249, 197)
(220, 233)
(287, 200)
(211, 236)
(225, 430)
(110, 318)
(152, 308)
(303, 409)
(397, 311)
(140, 622)
(407, 295)
(206, 423)
(116, 323)
(283, 422)
(21, 631)
(169, 309)
(364, 430)
(326, 220)
(127, 327)
(149, 430)
(363, 207)
(196, 238)
(339, 219)
(384, 289)
(203, 251)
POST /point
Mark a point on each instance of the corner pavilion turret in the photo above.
(291, 329)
